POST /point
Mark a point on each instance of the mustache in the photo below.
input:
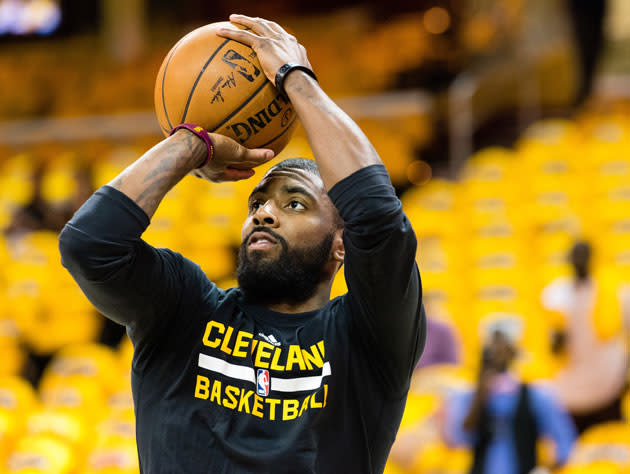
(279, 238)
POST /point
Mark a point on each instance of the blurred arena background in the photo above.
(505, 126)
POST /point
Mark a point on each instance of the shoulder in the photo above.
(542, 396)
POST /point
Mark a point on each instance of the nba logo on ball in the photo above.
(262, 382)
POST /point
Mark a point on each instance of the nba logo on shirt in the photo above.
(262, 382)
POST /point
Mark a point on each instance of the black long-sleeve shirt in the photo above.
(221, 386)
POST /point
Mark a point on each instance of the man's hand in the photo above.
(272, 44)
(339, 146)
(231, 161)
(148, 180)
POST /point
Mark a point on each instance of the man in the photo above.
(504, 418)
(270, 376)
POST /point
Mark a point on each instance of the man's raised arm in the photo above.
(384, 285)
(128, 280)
(339, 146)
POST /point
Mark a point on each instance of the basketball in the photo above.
(218, 83)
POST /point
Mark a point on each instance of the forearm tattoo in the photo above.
(149, 179)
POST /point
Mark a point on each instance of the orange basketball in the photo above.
(218, 83)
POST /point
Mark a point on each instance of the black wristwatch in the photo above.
(285, 70)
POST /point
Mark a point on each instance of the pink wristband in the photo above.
(201, 133)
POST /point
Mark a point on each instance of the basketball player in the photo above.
(270, 376)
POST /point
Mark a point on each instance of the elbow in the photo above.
(90, 257)
(70, 249)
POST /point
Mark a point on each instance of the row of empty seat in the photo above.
(489, 242)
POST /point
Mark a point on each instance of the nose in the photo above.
(265, 215)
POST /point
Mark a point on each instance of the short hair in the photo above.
(296, 163)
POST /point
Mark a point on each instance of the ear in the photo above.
(338, 251)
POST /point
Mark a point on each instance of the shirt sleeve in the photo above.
(126, 279)
(457, 408)
(384, 291)
(553, 422)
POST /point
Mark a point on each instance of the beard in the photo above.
(292, 277)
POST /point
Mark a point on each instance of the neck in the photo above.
(319, 299)
(581, 280)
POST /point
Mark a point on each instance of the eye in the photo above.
(296, 205)
(255, 204)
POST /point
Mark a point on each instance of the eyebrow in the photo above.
(298, 190)
(293, 189)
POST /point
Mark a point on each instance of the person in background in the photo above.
(592, 383)
(441, 346)
(40, 214)
(503, 418)
(563, 293)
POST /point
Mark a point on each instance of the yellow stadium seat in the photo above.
(52, 326)
(216, 260)
(611, 173)
(10, 430)
(500, 253)
(498, 227)
(441, 458)
(41, 455)
(438, 253)
(10, 347)
(603, 444)
(16, 395)
(221, 211)
(500, 286)
(121, 402)
(492, 164)
(59, 183)
(25, 283)
(17, 400)
(551, 132)
(38, 282)
(554, 244)
(431, 208)
(15, 180)
(441, 292)
(604, 467)
(65, 426)
(610, 432)
(613, 250)
(81, 396)
(94, 363)
(119, 427)
(113, 162)
(418, 408)
(112, 458)
(611, 207)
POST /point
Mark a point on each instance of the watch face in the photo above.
(280, 76)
